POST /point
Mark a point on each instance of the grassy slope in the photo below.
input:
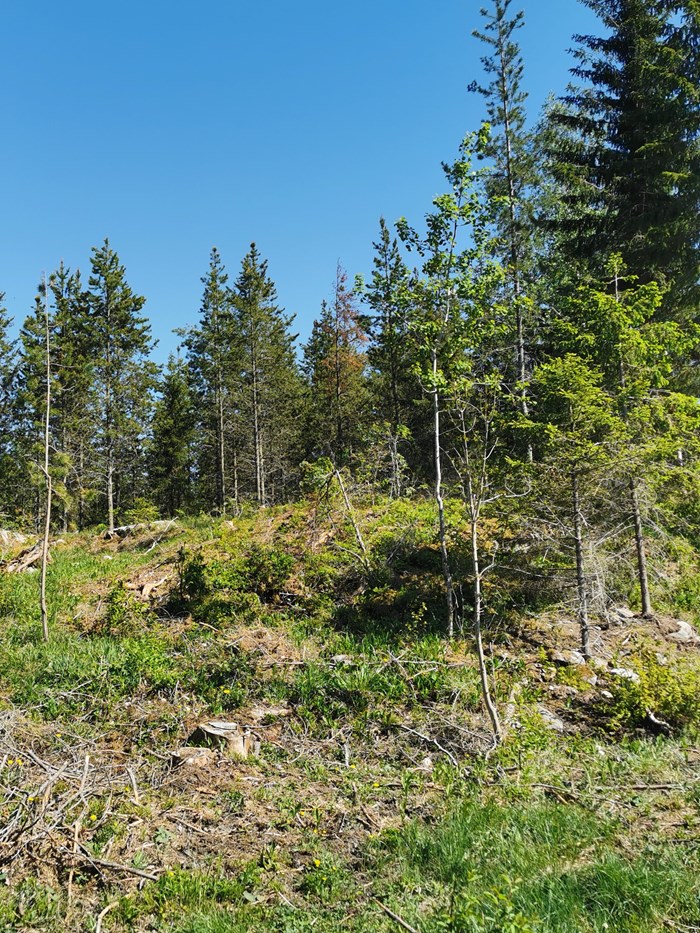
(376, 783)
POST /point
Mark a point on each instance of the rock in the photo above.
(606, 694)
(625, 673)
(562, 691)
(227, 736)
(10, 538)
(685, 635)
(624, 613)
(591, 679)
(189, 757)
(550, 720)
(261, 714)
(426, 764)
(567, 658)
(598, 664)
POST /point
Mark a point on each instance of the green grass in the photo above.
(549, 833)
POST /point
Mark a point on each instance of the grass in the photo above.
(377, 783)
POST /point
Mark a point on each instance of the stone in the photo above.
(188, 757)
(625, 673)
(550, 720)
(567, 658)
(226, 736)
(623, 612)
(685, 635)
(263, 714)
(562, 691)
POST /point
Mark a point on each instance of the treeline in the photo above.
(530, 349)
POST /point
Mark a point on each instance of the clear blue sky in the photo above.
(173, 126)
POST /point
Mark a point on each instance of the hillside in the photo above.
(377, 799)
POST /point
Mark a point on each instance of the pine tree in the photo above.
(334, 363)
(270, 387)
(171, 451)
(624, 147)
(123, 377)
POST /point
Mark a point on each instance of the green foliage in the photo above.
(669, 691)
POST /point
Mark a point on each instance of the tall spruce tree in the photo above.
(394, 388)
(124, 378)
(270, 386)
(509, 185)
(213, 355)
(335, 364)
(624, 147)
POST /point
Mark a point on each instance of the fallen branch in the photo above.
(395, 917)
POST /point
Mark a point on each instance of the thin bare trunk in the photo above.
(640, 548)
(477, 615)
(446, 572)
(580, 570)
(351, 516)
(647, 610)
(221, 442)
(47, 475)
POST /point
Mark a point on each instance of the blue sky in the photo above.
(171, 127)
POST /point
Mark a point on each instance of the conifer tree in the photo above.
(334, 363)
(624, 146)
(123, 377)
(171, 450)
(270, 388)
(577, 436)
(394, 388)
(214, 365)
(10, 469)
(509, 184)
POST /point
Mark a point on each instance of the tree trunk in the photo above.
(446, 572)
(580, 570)
(47, 475)
(483, 673)
(647, 610)
(221, 446)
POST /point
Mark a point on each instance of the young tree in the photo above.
(123, 376)
(335, 363)
(616, 326)
(576, 435)
(171, 450)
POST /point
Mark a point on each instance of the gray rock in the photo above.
(686, 634)
(187, 757)
(550, 720)
(625, 673)
(226, 736)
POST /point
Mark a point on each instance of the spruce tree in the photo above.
(171, 452)
(10, 467)
(624, 151)
(270, 387)
(124, 378)
(213, 355)
(510, 182)
(394, 388)
(335, 363)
